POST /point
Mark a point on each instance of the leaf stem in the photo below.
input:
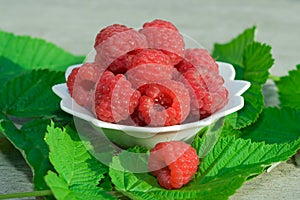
(26, 194)
(274, 78)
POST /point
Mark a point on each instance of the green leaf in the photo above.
(8, 70)
(289, 90)
(284, 130)
(251, 61)
(257, 61)
(35, 53)
(253, 106)
(62, 189)
(144, 186)
(230, 152)
(30, 94)
(212, 134)
(29, 141)
(27, 93)
(79, 173)
(227, 130)
(106, 183)
(232, 52)
(222, 170)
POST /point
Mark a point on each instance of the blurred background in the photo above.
(73, 25)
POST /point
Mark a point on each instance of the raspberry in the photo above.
(115, 100)
(164, 36)
(209, 79)
(115, 41)
(149, 65)
(150, 56)
(207, 95)
(173, 163)
(109, 32)
(200, 58)
(164, 103)
(160, 24)
(134, 120)
(201, 75)
(81, 83)
(71, 80)
(120, 65)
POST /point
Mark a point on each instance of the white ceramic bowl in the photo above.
(128, 136)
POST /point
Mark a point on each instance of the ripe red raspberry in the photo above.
(115, 99)
(200, 58)
(164, 36)
(207, 94)
(108, 32)
(71, 80)
(116, 40)
(210, 79)
(81, 83)
(173, 163)
(201, 75)
(160, 24)
(164, 103)
(120, 65)
(149, 65)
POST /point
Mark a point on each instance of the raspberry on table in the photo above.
(174, 163)
(81, 83)
(163, 35)
(149, 65)
(163, 103)
(115, 100)
(116, 40)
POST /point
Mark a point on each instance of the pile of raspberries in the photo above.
(147, 77)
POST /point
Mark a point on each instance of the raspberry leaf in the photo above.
(61, 190)
(232, 52)
(29, 141)
(35, 53)
(223, 169)
(289, 90)
(257, 61)
(253, 106)
(230, 152)
(211, 138)
(144, 186)
(30, 94)
(266, 130)
(78, 172)
(26, 95)
(8, 70)
(251, 60)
